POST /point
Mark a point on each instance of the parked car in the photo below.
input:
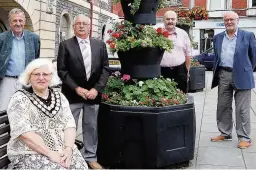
(206, 58)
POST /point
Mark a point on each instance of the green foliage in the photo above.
(155, 92)
(125, 36)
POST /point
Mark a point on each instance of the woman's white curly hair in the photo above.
(35, 64)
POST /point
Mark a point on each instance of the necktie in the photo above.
(85, 51)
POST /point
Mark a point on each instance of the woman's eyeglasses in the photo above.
(44, 75)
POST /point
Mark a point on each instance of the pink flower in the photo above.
(125, 77)
(105, 96)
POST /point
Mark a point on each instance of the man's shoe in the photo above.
(94, 165)
(244, 144)
(221, 138)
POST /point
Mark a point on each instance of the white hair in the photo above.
(231, 13)
(82, 16)
(35, 64)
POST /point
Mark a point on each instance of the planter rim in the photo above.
(136, 48)
(189, 103)
(197, 66)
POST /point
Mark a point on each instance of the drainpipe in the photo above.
(91, 16)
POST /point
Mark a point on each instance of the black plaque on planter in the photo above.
(146, 13)
(145, 137)
(197, 78)
(141, 63)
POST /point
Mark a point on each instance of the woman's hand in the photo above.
(54, 156)
(66, 156)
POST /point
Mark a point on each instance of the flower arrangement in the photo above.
(155, 92)
(125, 36)
(198, 13)
(135, 4)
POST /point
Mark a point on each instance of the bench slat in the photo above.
(4, 129)
(4, 119)
(3, 113)
(4, 139)
(4, 162)
(3, 151)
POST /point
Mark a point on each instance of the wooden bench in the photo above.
(5, 137)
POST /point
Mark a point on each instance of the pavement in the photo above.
(215, 155)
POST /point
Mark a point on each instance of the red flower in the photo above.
(109, 31)
(112, 45)
(176, 101)
(125, 77)
(159, 30)
(105, 96)
(115, 35)
(108, 41)
(166, 34)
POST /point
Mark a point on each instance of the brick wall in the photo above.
(239, 4)
(201, 3)
(75, 9)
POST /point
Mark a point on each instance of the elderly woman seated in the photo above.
(43, 129)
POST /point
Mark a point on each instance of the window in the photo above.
(65, 26)
(253, 3)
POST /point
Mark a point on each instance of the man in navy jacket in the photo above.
(235, 60)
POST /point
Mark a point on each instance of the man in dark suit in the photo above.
(82, 65)
(233, 73)
(17, 48)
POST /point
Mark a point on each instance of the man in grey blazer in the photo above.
(82, 65)
(235, 60)
(17, 48)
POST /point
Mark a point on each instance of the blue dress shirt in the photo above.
(16, 63)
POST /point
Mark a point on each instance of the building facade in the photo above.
(52, 19)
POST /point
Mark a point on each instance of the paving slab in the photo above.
(250, 160)
(220, 156)
(218, 167)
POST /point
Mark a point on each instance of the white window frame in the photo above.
(224, 4)
(250, 4)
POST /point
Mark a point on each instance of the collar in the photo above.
(80, 39)
(18, 38)
(171, 33)
(235, 34)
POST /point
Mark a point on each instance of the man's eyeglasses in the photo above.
(44, 75)
(81, 23)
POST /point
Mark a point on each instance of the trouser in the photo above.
(89, 128)
(178, 73)
(8, 86)
(224, 108)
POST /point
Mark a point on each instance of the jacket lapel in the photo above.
(75, 47)
(9, 40)
(239, 40)
(93, 55)
(219, 43)
(28, 48)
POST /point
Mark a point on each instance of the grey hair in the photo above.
(81, 15)
(15, 11)
(35, 64)
(231, 12)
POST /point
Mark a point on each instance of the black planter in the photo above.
(141, 63)
(146, 13)
(145, 137)
(197, 78)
